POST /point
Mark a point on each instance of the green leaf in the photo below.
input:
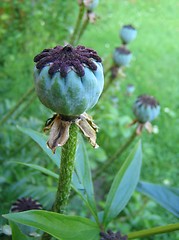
(41, 169)
(81, 180)
(123, 185)
(84, 173)
(16, 233)
(167, 197)
(41, 140)
(58, 225)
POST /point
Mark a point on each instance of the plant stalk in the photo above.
(66, 170)
(83, 27)
(78, 23)
(154, 231)
(117, 154)
(25, 106)
(18, 104)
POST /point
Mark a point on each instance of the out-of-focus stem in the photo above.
(116, 155)
(25, 106)
(83, 27)
(154, 231)
(78, 23)
(18, 104)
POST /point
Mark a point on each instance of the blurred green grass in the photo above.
(154, 71)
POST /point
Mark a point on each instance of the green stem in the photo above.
(107, 85)
(154, 231)
(66, 171)
(117, 154)
(78, 23)
(18, 104)
(25, 106)
(84, 26)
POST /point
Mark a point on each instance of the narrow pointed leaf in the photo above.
(41, 140)
(59, 226)
(167, 197)
(41, 169)
(76, 186)
(123, 185)
(84, 173)
(81, 177)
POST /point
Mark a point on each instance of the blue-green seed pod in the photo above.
(146, 108)
(127, 34)
(91, 4)
(70, 80)
(130, 88)
(122, 56)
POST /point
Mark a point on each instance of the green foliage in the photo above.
(84, 174)
(58, 225)
(165, 196)
(41, 169)
(42, 141)
(123, 185)
(16, 233)
(81, 182)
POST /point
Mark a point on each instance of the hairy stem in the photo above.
(117, 154)
(66, 171)
(154, 231)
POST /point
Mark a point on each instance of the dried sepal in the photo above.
(148, 127)
(59, 129)
(91, 17)
(59, 132)
(141, 126)
(90, 121)
(89, 129)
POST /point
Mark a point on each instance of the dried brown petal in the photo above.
(88, 128)
(59, 129)
(148, 127)
(59, 133)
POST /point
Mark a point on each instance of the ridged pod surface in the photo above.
(73, 89)
(146, 108)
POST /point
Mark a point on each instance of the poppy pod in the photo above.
(91, 4)
(146, 108)
(68, 80)
(122, 56)
(127, 34)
